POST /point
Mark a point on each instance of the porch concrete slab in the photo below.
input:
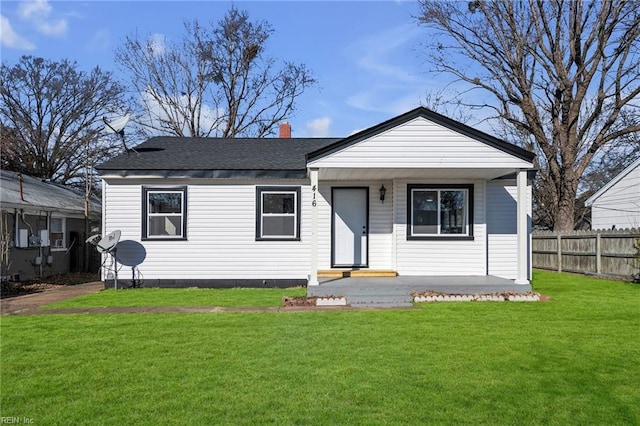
(397, 290)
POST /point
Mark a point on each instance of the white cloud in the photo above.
(319, 127)
(34, 9)
(38, 12)
(387, 82)
(387, 99)
(100, 40)
(375, 53)
(9, 38)
(56, 28)
(158, 43)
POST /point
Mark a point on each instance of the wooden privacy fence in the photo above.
(603, 252)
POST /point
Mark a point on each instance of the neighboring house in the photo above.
(617, 204)
(419, 194)
(42, 227)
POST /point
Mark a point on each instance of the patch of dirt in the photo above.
(298, 301)
(30, 303)
(37, 285)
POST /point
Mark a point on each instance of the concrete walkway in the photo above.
(396, 291)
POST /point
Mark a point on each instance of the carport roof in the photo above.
(37, 194)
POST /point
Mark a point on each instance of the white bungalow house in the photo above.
(419, 194)
(617, 204)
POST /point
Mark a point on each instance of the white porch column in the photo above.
(523, 237)
(313, 270)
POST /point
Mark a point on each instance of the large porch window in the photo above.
(439, 211)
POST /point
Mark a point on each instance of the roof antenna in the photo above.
(117, 126)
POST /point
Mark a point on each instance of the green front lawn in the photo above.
(154, 297)
(572, 360)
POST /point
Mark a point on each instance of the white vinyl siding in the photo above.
(619, 205)
(420, 144)
(221, 222)
(502, 239)
(440, 257)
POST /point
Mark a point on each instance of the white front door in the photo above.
(349, 227)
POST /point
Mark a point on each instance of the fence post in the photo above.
(598, 253)
(559, 242)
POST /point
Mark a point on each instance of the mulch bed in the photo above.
(298, 301)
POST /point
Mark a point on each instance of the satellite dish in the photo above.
(109, 242)
(94, 239)
(117, 125)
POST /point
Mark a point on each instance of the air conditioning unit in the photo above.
(57, 244)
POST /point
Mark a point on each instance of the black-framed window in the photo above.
(164, 213)
(278, 213)
(439, 211)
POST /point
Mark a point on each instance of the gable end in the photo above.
(431, 116)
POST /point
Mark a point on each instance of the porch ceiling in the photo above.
(411, 173)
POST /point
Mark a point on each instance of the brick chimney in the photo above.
(285, 130)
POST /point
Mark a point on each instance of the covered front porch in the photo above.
(396, 291)
(365, 223)
(453, 202)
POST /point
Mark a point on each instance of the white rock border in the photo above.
(331, 301)
(525, 297)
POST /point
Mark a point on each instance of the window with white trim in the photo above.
(57, 238)
(164, 213)
(440, 211)
(277, 213)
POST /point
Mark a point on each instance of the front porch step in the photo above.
(380, 301)
(356, 273)
(382, 305)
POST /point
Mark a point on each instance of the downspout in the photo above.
(16, 226)
(20, 180)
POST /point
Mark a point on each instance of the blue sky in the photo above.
(366, 55)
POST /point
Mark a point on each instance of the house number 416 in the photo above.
(313, 201)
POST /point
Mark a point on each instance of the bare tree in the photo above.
(51, 116)
(562, 73)
(445, 103)
(217, 81)
(172, 84)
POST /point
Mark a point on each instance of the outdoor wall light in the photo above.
(383, 192)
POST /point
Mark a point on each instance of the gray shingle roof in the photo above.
(252, 157)
(191, 154)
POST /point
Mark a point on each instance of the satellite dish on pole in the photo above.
(117, 127)
(108, 242)
(107, 245)
(94, 239)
